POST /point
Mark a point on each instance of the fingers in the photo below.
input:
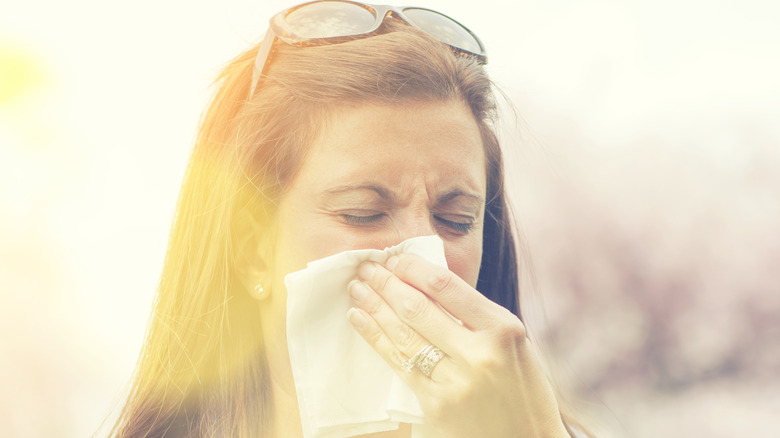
(376, 322)
(370, 331)
(403, 337)
(489, 364)
(450, 291)
(412, 308)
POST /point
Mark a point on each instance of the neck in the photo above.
(286, 420)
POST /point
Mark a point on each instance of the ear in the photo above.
(252, 254)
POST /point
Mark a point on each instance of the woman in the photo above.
(351, 127)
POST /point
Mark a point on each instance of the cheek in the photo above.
(305, 238)
(464, 260)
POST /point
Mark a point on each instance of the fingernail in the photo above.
(356, 318)
(391, 263)
(366, 271)
(357, 290)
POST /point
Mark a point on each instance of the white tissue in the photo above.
(344, 387)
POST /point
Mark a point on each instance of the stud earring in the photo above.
(258, 292)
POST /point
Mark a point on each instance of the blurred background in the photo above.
(643, 149)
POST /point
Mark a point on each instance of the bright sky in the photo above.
(99, 103)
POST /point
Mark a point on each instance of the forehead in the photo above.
(439, 142)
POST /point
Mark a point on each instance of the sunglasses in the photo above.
(336, 21)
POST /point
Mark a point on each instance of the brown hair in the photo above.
(202, 371)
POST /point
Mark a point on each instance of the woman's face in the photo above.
(378, 175)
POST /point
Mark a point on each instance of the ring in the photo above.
(425, 360)
(428, 363)
(409, 364)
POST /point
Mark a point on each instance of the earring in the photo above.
(258, 292)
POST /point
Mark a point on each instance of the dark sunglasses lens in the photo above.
(329, 19)
(444, 28)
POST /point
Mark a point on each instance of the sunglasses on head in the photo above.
(336, 21)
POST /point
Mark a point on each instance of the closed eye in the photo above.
(460, 227)
(362, 219)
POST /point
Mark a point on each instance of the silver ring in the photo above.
(409, 364)
(425, 360)
(428, 363)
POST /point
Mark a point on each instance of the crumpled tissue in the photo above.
(344, 387)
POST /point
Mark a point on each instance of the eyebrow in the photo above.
(387, 195)
(456, 193)
(381, 191)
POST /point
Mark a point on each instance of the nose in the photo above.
(413, 224)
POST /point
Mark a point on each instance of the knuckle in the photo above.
(373, 337)
(373, 306)
(511, 332)
(396, 357)
(405, 264)
(440, 281)
(383, 282)
(415, 308)
(497, 347)
(406, 336)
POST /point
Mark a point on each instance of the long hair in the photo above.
(203, 371)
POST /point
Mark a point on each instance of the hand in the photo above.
(490, 382)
